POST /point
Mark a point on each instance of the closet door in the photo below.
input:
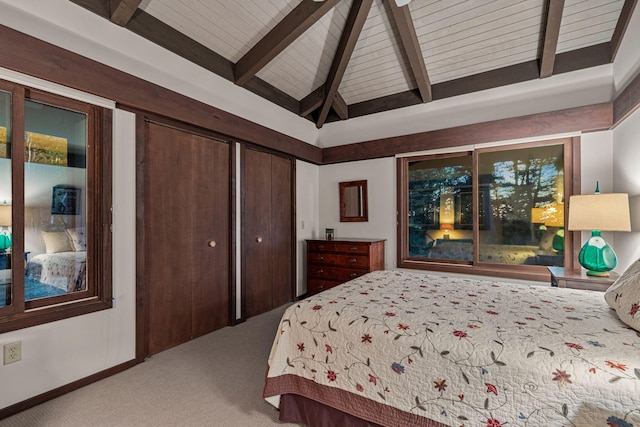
(186, 223)
(267, 232)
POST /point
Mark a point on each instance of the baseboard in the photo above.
(57, 392)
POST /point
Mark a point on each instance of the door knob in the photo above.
(259, 239)
(212, 243)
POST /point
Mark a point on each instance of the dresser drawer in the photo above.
(340, 247)
(315, 286)
(342, 260)
(341, 274)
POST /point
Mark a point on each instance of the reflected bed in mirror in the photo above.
(353, 201)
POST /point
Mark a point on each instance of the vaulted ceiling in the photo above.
(336, 59)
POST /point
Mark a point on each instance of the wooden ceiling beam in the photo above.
(122, 11)
(411, 47)
(314, 100)
(282, 35)
(551, 34)
(353, 27)
(340, 107)
(621, 26)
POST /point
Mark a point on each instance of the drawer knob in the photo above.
(320, 271)
(212, 243)
(259, 239)
(353, 274)
(321, 246)
(320, 257)
(353, 260)
(354, 248)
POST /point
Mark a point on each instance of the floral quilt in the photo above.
(400, 348)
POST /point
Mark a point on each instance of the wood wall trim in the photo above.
(589, 118)
(34, 57)
(627, 102)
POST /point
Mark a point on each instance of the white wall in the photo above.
(61, 352)
(626, 178)
(381, 182)
(307, 216)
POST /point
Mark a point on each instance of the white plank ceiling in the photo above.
(457, 39)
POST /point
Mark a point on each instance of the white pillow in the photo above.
(78, 238)
(624, 296)
(56, 241)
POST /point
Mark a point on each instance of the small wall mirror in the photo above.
(353, 201)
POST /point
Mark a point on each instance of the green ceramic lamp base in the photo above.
(597, 256)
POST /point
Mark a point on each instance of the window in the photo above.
(494, 209)
(55, 199)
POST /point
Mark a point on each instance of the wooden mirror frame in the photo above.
(347, 201)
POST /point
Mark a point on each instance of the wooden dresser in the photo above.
(332, 262)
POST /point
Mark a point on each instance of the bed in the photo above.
(398, 348)
(62, 270)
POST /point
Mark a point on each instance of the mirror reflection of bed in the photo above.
(56, 257)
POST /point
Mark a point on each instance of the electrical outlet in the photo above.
(12, 352)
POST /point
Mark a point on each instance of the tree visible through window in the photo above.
(499, 207)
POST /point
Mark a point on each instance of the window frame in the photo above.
(526, 272)
(98, 296)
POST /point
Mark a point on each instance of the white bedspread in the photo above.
(64, 270)
(401, 348)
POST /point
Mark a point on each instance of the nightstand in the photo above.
(578, 279)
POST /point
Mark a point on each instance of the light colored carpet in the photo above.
(215, 380)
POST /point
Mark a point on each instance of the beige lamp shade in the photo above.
(600, 211)
(446, 226)
(5, 215)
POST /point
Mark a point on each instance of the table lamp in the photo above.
(445, 227)
(599, 212)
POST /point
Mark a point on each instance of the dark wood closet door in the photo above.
(267, 235)
(186, 217)
(281, 226)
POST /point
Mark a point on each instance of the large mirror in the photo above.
(353, 201)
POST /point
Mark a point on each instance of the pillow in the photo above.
(624, 296)
(78, 238)
(56, 241)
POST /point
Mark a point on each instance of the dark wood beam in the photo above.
(28, 55)
(411, 47)
(580, 59)
(627, 102)
(621, 26)
(589, 118)
(123, 10)
(353, 27)
(312, 102)
(156, 31)
(385, 103)
(551, 33)
(565, 62)
(340, 107)
(282, 35)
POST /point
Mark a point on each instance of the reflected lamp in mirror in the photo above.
(353, 201)
(599, 212)
(446, 227)
(5, 224)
